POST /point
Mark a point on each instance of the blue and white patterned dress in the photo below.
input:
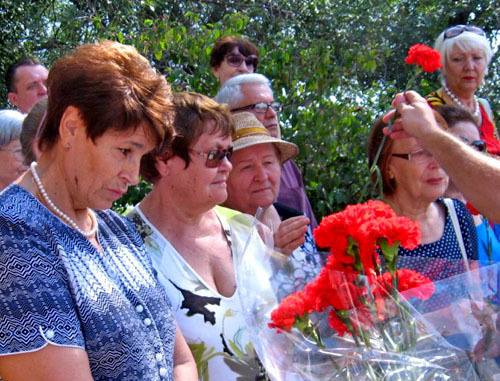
(57, 288)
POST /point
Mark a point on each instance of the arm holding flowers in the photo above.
(475, 174)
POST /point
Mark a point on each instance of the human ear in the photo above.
(71, 125)
(12, 98)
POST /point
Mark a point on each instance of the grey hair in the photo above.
(465, 41)
(11, 123)
(230, 92)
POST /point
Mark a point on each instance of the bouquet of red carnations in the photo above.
(352, 321)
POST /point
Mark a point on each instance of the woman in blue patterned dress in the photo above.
(79, 300)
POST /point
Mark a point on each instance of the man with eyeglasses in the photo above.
(26, 82)
(252, 93)
(475, 174)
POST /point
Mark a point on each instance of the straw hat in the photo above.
(249, 131)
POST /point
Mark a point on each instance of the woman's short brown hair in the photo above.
(374, 141)
(192, 111)
(113, 87)
(225, 45)
(31, 129)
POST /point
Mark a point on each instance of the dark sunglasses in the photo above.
(215, 156)
(235, 60)
(261, 107)
(479, 145)
(457, 30)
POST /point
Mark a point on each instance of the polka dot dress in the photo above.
(443, 259)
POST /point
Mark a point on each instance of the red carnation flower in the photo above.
(413, 283)
(337, 324)
(291, 307)
(426, 57)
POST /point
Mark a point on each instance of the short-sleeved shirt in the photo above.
(57, 288)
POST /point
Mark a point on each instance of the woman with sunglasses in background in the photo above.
(233, 56)
(191, 243)
(465, 55)
(463, 125)
(414, 183)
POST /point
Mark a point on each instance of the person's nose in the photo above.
(271, 113)
(42, 89)
(469, 63)
(225, 164)
(243, 68)
(130, 172)
(260, 173)
(433, 163)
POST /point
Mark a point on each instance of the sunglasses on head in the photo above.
(454, 31)
(215, 156)
(235, 60)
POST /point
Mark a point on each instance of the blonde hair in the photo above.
(465, 41)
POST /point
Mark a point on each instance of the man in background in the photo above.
(26, 82)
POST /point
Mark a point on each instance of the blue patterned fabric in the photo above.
(56, 287)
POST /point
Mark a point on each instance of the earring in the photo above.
(68, 145)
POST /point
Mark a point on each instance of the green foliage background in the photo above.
(334, 64)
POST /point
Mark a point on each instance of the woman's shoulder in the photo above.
(460, 208)
(16, 200)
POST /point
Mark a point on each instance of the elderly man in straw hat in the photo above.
(254, 182)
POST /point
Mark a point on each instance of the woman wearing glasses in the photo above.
(464, 126)
(414, 183)
(465, 55)
(233, 56)
(190, 241)
(11, 155)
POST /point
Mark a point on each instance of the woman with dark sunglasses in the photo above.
(190, 242)
(463, 125)
(233, 56)
(465, 55)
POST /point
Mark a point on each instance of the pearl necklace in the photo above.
(59, 212)
(476, 111)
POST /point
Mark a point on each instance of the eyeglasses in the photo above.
(419, 156)
(478, 145)
(215, 156)
(261, 107)
(235, 60)
(457, 30)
